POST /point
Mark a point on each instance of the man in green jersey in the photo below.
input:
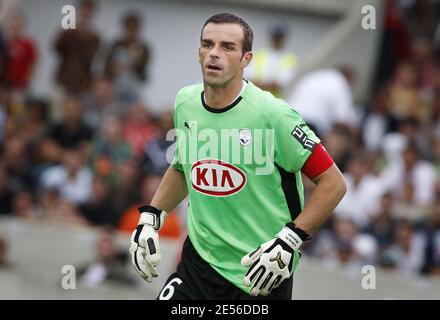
(239, 156)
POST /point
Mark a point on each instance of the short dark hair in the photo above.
(248, 37)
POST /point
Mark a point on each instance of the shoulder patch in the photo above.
(301, 136)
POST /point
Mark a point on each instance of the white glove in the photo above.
(272, 262)
(144, 242)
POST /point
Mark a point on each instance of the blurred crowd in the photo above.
(388, 150)
(92, 153)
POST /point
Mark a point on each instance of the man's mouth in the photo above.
(213, 67)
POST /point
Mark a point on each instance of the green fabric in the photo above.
(223, 228)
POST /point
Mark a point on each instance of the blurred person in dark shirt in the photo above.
(72, 131)
(100, 211)
(154, 154)
(101, 101)
(4, 261)
(22, 53)
(76, 49)
(125, 191)
(432, 253)
(383, 224)
(128, 59)
(109, 148)
(108, 265)
(6, 194)
(406, 254)
(17, 162)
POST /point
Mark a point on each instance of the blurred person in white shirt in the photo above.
(364, 191)
(324, 98)
(420, 173)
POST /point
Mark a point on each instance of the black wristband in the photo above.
(300, 232)
(150, 209)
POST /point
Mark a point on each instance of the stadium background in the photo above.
(108, 131)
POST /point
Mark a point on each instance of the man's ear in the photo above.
(200, 58)
(247, 58)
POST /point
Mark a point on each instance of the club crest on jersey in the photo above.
(216, 178)
(245, 137)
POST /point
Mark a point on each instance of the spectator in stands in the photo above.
(76, 50)
(128, 59)
(3, 56)
(324, 98)
(407, 253)
(409, 131)
(422, 56)
(382, 225)
(345, 245)
(35, 120)
(22, 54)
(420, 173)
(100, 211)
(405, 98)
(125, 186)
(53, 208)
(109, 264)
(101, 102)
(376, 122)
(6, 194)
(71, 178)
(24, 205)
(363, 192)
(432, 262)
(109, 148)
(4, 262)
(138, 128)
(17, 163)
(72, 132)
(338, 142)
(406, 207)
(130, 218)
(154, 156)
(273, 68)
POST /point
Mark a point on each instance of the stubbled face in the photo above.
(220, 54)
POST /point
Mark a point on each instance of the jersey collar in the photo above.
(227, 108)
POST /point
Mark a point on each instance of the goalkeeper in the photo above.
(246, 219)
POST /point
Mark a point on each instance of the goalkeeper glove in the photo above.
(144, 242)
(271, 263)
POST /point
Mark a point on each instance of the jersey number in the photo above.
(168, 290)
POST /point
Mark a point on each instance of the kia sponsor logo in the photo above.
(216, 178)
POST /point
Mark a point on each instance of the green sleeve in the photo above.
(294, 141)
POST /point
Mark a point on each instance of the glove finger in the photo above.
(253, 256)
(276, 283)
(267, 283)
(256, 278)
(153, 271)
(141, 265)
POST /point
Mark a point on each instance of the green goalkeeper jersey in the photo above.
(242, 166)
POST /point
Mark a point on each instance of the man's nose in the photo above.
(214, 52)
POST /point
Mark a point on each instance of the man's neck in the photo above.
(218, 98)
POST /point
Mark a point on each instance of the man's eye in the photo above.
(207, 45)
